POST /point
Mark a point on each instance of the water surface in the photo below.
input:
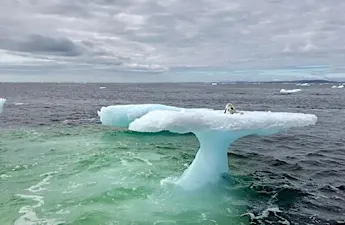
(59, 165)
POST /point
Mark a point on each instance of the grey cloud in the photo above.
(154, 35)
(48, 45)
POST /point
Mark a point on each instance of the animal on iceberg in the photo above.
(230, 108)
(214, 129)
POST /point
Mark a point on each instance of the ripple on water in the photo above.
(28, 212)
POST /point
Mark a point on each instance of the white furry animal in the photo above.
(229, 108)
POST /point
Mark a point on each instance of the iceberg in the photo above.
(214, 129)
(284, 91)
(339, 86)
(303, 85)
(2, 102)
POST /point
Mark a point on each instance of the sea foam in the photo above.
(214, 130)
(2, 102)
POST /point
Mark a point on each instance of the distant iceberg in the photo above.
(303, 85)
(214, 130)
(214, 84)
(284, 91)
(339, 86)
(2, 102)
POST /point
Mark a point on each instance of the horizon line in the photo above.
(172, 82)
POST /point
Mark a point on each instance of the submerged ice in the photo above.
(2, 102)
(214, 130)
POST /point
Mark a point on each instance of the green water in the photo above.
(98, 175)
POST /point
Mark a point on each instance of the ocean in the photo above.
(60, 165)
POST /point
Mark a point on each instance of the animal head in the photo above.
(229, 106)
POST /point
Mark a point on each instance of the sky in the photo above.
(171, 40)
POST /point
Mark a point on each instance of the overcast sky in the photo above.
(170, 40)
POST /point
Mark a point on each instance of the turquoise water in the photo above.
(92, 174)
(58, 165)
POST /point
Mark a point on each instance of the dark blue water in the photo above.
(302, 171)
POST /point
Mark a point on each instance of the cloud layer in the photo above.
(113, 37)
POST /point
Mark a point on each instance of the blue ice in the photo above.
(214, 130)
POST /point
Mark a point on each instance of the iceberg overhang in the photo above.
(214, 130)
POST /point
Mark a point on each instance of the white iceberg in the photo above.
(339, 86)
(284, 91)
(2, 102)
(303, 85)
(214, 130)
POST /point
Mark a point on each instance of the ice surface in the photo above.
(123, 115)
(2, 102)
(205, 120)
(214, 130)
(284, 91)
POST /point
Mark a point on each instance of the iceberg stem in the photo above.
(211, 160)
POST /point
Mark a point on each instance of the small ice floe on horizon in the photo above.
(284, 91)
(214, 84)
(303, 85)
(102, 87)
(2, 102)
(18, 103)
(339, 86)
